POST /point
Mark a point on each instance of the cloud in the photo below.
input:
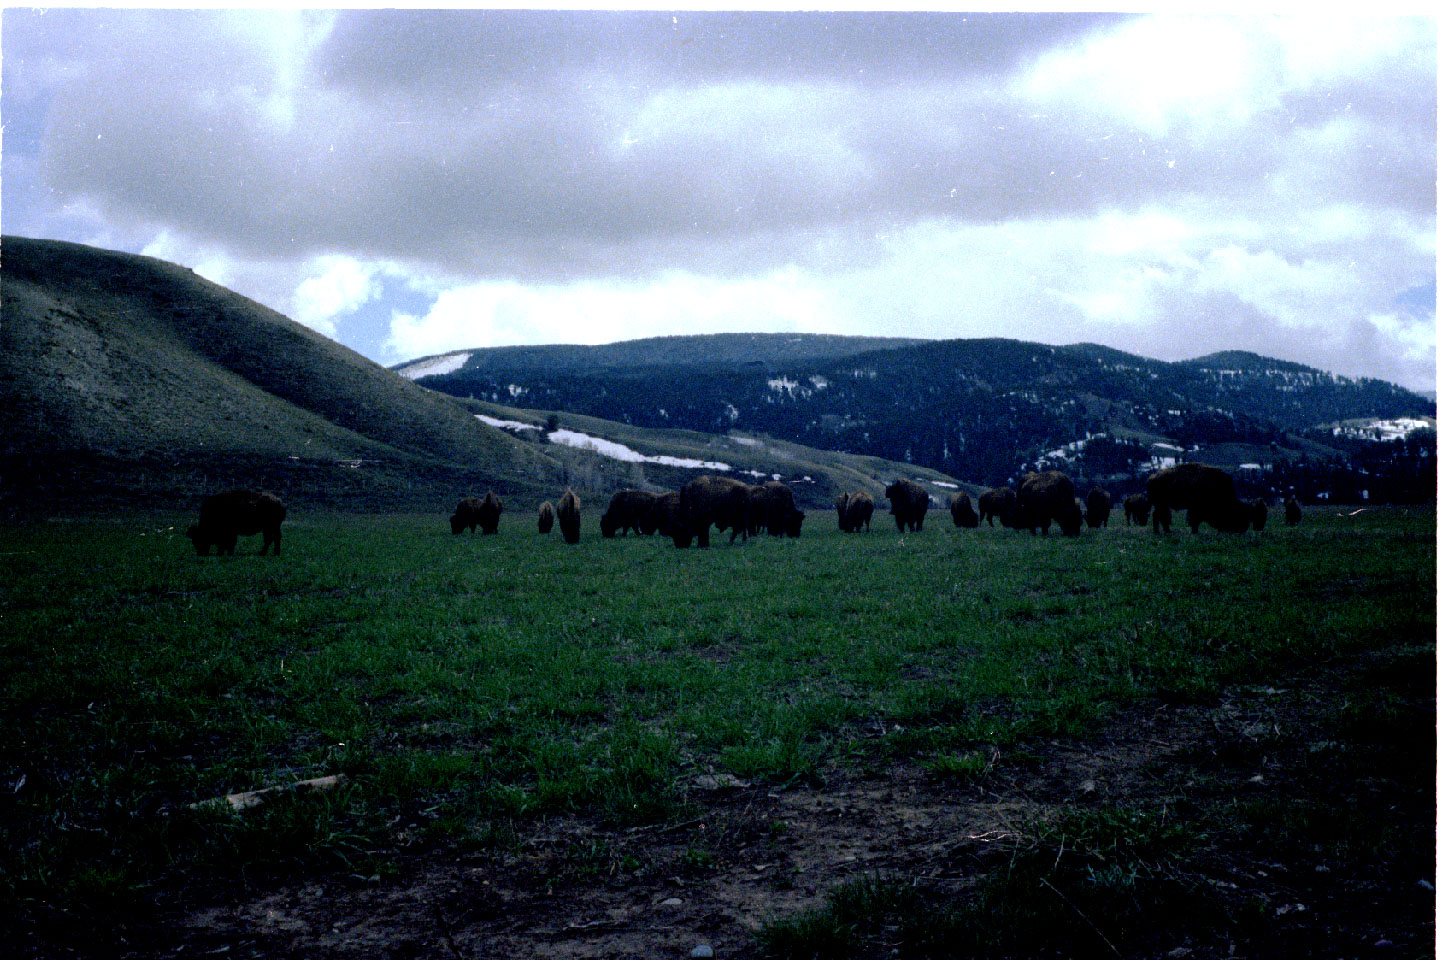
(1037, 176)
(337, 286)
(503, 314)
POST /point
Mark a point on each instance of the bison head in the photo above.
(198, 539)
(1069, 517)
(793, 521)
(456, 524)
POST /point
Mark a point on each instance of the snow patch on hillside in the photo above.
(505, 424)
(618, 451)
(435, 366)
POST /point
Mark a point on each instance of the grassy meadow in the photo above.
(477, 685)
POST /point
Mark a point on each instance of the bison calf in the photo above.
(547, 516)
(230, 514)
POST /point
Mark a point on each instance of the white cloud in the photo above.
(336, 286)
(507, 313)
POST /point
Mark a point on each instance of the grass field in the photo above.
(475, 688)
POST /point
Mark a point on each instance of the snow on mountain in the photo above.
(618, 451)
(434, 366)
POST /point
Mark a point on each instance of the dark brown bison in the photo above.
(1259, 513)
(230, 514)
(841, 502)
(664, 513)
(1097, 509)
(629, 510)
(997, 503)
(568, 513)
(1207, 492)
(473, 511)
(772, 507)
(1044, 497)
(1137, 509)
(706, 501)
(908, 502)
(962, 512)
(547, 516)
(859, 510)
(1292, 511)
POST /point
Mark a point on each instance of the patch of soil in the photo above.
(576, 890)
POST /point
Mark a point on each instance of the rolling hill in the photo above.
(125, 379)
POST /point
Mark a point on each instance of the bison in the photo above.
(472, 512)
(1097, 509)
(547, 516)
(1137, 509)
(568, 513)
(1292, 511)
(859, 510)
(629, 510)
(772, 507)
(962, 512)
(908, 502)
(230, 514)
(1207, 492)
(1259, 513)
(841, 502)
(997, 503)
(1044, 497)
(706, 501)
(664, 513)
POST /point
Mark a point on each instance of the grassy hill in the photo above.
(125, 379)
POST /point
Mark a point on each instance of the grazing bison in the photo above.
(547, 516)
(772, 507)
(568, 513)
(1207, 492)
(472, 512)
(1097, 508)
(230, 514)
(1259, 513)
(664, 513)
(962, 512)
(997, 503)
(908, 502)
(841, 502)
(1292, 511)
(629, 510)
(1137, 509)
(708, 500)
(859, 510)
(1048, 496)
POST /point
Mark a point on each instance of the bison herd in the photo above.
(745, 510)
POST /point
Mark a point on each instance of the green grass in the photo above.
(470, 685)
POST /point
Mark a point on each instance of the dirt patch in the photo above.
(573, 889)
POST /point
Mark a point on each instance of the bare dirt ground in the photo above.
(575, 890)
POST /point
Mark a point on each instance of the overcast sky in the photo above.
(413, 182)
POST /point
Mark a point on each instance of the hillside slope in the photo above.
(128, 380)
(111, 364)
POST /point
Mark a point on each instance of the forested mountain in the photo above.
(979, 409)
